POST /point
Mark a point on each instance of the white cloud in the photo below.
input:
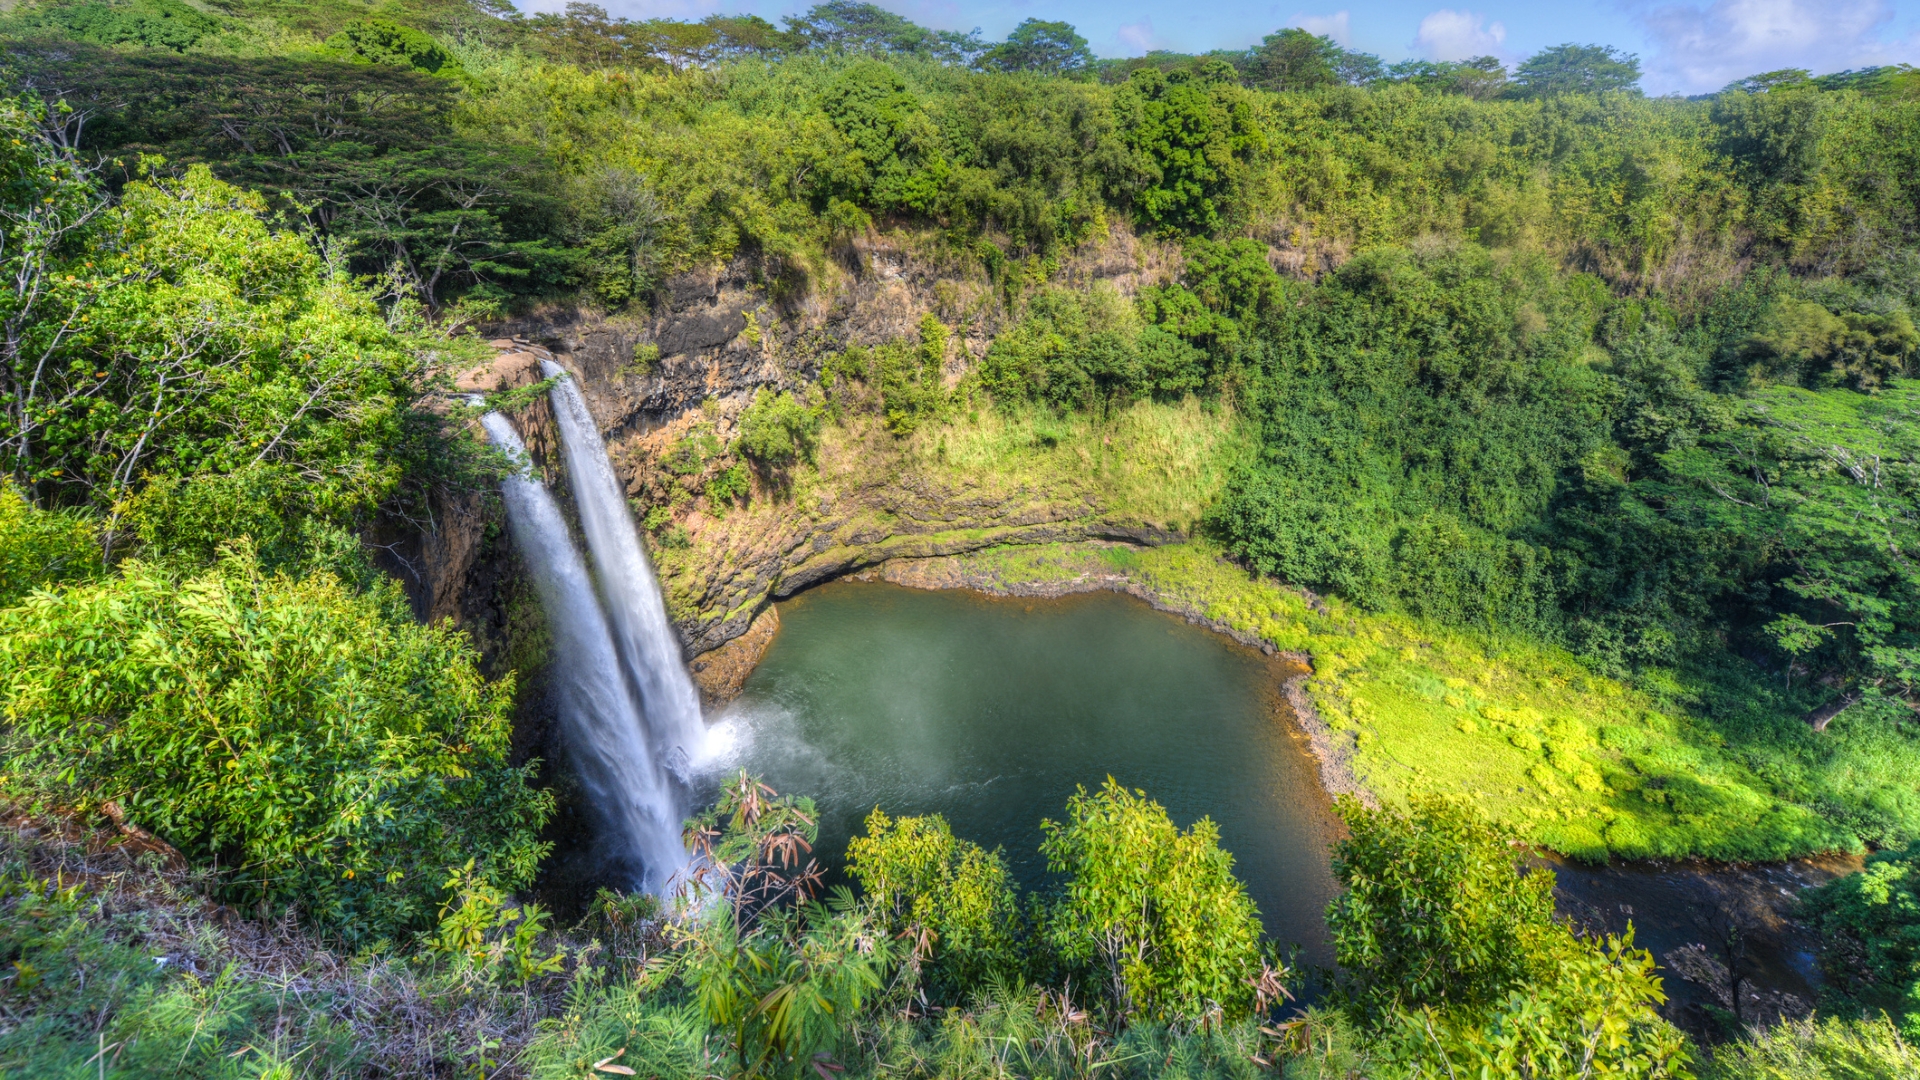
(1701, 48)
(1338, 26)
(1457, 35)
(1138, 38)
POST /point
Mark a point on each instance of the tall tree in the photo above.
(1577, 69)
(1051, 48)
(1295, 60)
(857, 27)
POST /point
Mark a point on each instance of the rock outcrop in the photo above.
(719, 334)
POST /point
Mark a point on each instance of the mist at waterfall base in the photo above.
(991, 711)
(624, 715)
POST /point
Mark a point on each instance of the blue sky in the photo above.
(1685, 46)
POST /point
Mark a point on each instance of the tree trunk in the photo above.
(1819, 718)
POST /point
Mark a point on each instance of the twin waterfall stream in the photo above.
(628, 711)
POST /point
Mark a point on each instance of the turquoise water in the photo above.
(990, 711)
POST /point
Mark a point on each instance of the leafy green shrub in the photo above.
(1870, 926)
(1084, 350)
(1196, 135)
(890, 155)
(907, 377)
(727, 485)
(482, 929)
(1437, 909)
(377, 41)
(1419, 412)
(776, 429)
(330, 751)
(1594, 1015)
(952, 897)
(1451, 952)
(211, 347)
(148, 24)
(783, 976)
(790, 986)
(1805, 343)
(1832, 1048)
(41, 547)
(1153, 912)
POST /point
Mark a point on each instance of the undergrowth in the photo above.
(116, 964)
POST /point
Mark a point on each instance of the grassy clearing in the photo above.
(1160, 464)
(1585, 765)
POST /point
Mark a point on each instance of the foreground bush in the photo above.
(1870, 923)
(1455, 963)
(951, 896)
(38, 547)
(1829, 1049)
(330, 752)
(1154, 913)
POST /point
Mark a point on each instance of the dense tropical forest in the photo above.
(1572, 435)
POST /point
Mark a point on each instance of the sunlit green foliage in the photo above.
(777, 429)
(1870, 926)
(42, 547)
(376, 41)
(780, 974)
(1448, 941)
(904, 382)
(952, 898)
(1418, 410)
(1036, 45)
(1593, 1014)
(1831, 1048)
(1152, 913)
(1438, 910)
(1576, 69)
(1088, 350)
(175, 336)
(1806, 343)
(1196, 136)
(332, 753)
(151, 24)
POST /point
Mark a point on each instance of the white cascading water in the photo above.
(642, 806)
(645, 638)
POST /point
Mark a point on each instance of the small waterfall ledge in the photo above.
(601, 685)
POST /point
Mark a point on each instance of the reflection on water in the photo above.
(991, 711)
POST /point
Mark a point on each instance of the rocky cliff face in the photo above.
(687, 368)
(719, 333)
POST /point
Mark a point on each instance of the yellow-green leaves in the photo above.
(308, 736)
(950, 896)
(1153, 913)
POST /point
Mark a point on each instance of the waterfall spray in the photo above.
(640, 805)
(648, 646)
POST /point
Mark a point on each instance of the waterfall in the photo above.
(640, 804)
(649, 648)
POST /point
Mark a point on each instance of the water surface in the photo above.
(990, 711)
